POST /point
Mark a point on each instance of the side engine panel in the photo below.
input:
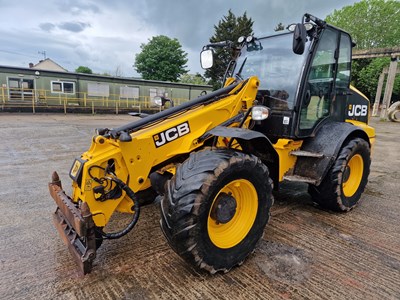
(357, 106)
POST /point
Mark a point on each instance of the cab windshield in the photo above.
(272, 60)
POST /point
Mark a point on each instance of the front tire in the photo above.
(342, 187)
(216, 207)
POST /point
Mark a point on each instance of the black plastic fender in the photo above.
(328, 141)
(253, 142)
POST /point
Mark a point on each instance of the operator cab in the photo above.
(304, 77)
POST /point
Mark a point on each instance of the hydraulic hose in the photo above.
(135, 218)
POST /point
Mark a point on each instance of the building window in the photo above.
(68, 87)
(14, 83)
(129, 92)
(56, 87)
(156, 92)
(98, 89)
(63, 87)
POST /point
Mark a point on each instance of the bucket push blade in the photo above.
(75, 226)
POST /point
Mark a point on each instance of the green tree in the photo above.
(372, 24)
(369, 76)
(279, 27)
(162, 58)
(193, 79)
(82, 69)
(229, 28)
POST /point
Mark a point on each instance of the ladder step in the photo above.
(307, 154)
(296, 178)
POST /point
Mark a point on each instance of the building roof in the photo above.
(48, 65)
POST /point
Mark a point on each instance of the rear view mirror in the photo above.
(299, 38)
(206, 59)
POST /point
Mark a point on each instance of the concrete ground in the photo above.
(306, 252)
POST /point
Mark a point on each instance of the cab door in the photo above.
(340, 105)
(319, 89)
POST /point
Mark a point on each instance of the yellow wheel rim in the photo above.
(353, 175)
(235, 230)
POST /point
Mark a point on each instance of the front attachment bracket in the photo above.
(75, 226)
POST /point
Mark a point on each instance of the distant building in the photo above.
(48, 65)
(49, 85)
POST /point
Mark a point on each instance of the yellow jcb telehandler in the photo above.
(286, 112)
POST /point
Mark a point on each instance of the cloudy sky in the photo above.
(105, 35)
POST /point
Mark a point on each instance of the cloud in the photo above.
(192, 22)
(78, 7)
(105, 34)
(68, 26)
(47, 26)
(73, 26)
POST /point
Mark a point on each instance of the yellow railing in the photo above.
(34, 99)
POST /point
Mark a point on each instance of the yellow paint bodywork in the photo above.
(286, 161)
(134, 160)
(370, 131)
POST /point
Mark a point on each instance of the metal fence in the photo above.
(35, 100)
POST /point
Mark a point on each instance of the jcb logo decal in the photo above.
(171, 134)
(357, 110)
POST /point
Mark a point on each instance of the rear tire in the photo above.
(342, 187)
(216, 207)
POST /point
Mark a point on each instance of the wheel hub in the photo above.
(224, 208)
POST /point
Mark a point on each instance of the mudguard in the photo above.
(253, 142)
(328, 141)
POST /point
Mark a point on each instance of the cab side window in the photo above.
(320, 82)
(344, 64)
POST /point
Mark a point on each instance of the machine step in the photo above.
(296, 178)
(301, 153)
